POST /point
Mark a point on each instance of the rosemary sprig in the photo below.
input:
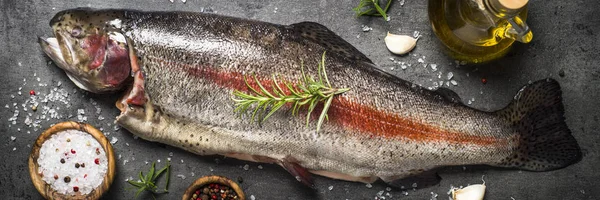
(372, 8)
(148, 182)
(307, 92)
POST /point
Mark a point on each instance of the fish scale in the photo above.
(187, 65)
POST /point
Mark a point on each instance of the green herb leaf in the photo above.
(372, 8)
(307, 91)
(148, 182)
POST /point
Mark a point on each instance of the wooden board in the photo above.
(45, 189)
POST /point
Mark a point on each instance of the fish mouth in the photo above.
(52, 48)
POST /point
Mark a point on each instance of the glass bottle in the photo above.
(479, 30)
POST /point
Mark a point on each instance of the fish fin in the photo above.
(449, 95)
(300, 173)
(321, 35)
(421, 179)
(545, 141)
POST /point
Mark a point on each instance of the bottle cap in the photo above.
(510, 4)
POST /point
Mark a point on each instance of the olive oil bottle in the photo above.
(479, 30)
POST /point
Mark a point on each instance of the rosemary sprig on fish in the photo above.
(309, 93)
(186, 66)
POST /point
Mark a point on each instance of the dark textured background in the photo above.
(566, 37)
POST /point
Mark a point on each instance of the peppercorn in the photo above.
(68, 139)
(62, 160)
(73, 151)
(97, 161)
(55, 177)
(205, 190)
(204, 197)
(83, 165)
(67, 179)
(31, 92)
(75, 189)
(76, 165)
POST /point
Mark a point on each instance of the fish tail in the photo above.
(545, 141)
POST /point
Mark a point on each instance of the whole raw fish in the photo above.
(181, 69)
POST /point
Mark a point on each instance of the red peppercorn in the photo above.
(75, 189)
(213, 196)
(97, 161)
(483, 80)
(31, 92)
(197, 192)
(85, 176)
(73, 151)
(55, 177)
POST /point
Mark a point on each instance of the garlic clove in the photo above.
(400, 44)
(472, 192)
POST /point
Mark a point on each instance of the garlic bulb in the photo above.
(400, 44)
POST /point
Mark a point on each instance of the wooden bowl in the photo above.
(213, 179)
(45, 189)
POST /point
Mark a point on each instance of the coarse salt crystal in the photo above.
(368, 185)
(61, 155)
(246, 167)
(13, 138)
(113, 140)
(330, 187)
(252, 197)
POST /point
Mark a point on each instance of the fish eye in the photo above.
(76, 32)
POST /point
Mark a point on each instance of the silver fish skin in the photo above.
(186, 66)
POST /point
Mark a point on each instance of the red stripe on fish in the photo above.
(352, 115)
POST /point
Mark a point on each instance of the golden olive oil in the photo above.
(478, 30)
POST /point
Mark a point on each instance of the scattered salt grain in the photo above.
(192, 173)
(246, 167)
(388, 189)
(450, 75)
(366, 28)
(433, 67)
(454, 82)
(113, 140)
(13, 138)
(330, 187)
(170, 154)
(414, 185)
(125, 161)
(183, 1)
(433, 196)
(181, 176)
(169, 158)
(402, 2)
(405, 193)
(252, 197)
(210, 169)
(182, 161)
(260, 167)
(368, 185)
(420, 60)
(14, 148)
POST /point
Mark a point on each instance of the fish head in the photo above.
(90, 47)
